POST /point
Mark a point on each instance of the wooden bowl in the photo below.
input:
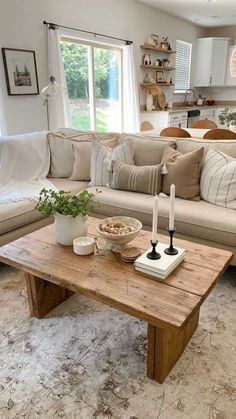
(210, 102)
(117, 242)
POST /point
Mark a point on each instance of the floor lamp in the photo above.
(52, 89)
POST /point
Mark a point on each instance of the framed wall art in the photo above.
(21, 71)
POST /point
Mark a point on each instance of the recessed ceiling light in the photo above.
(212, 1)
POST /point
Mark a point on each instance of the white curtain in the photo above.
(131, 113)
(3, 129)
(59, 111)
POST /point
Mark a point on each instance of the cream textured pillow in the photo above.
(148, 151)
(145, 179)
(183, 170)
(218, 179)
(82, 158)
(102, 157)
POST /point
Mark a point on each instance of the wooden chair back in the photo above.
(220, 134)
(204, 124)
(175, 132)
(146, 126)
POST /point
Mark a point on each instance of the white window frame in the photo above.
(188, 72)
(92, 91)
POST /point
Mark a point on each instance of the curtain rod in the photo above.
(51, 25)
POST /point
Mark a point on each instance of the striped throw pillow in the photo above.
(144, 179)
(218, 179)
(102, 157)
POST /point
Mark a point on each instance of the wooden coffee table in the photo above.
(171, 309)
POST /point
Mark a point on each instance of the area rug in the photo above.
(85, 360)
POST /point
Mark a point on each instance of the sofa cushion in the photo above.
(17, 214)
(218, 179)
(196, 219)
(82, 158)
(62, 152)
(146, 179)
(183, 170)
(190, 144)
(101, 159)
(148, 151)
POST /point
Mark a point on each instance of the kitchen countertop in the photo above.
(191, 108)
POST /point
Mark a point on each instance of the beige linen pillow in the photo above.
(102, 157)
(82, 158)
(183, 170)
(147, 151)
(145, 179)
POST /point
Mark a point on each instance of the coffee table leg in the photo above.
(43, 296)
(165, 347)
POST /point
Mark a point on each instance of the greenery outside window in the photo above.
(93, 76)
(183, 66)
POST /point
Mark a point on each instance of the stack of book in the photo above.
(161, 268)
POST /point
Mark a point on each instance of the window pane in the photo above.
(183, 65)
(107, 89)
(75, 58)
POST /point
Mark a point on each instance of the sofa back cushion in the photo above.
(148, 151)
(61, 149)
(226, 146)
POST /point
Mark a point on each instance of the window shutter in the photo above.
(183, 65)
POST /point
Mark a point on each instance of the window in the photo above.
(93, 76)
(183, 66)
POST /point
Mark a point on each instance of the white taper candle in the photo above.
(155, 219)
(172, 208)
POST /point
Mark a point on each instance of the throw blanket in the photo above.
(24, 166)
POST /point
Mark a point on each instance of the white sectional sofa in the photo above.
(199, 222)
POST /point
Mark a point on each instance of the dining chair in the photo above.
(175, 132)
(146, 126)
(204, 124)
(220, 134)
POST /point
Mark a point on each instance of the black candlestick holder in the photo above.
(153, 254)
(171, 250)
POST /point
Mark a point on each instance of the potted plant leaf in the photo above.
(70, 212)
(227, 118)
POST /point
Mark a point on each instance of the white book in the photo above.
(160, 268)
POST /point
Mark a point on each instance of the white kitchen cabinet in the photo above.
(229, 81)
(164, 119)
(211, 61)
(207, 114)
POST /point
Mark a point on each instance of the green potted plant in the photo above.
(70, 212)
(227, 118)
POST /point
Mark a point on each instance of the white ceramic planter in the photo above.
(68, 228)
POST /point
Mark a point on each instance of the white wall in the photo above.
(21, 27)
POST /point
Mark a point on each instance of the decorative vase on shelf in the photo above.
(149, 103)
(68, 228)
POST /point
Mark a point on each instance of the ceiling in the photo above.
(208, 13)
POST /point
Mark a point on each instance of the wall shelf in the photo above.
(156, 84)
(153, 67)
(160, 50)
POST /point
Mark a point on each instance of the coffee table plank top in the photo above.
(113, 282)
(198, 273)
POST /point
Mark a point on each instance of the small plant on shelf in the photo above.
(227, 118)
